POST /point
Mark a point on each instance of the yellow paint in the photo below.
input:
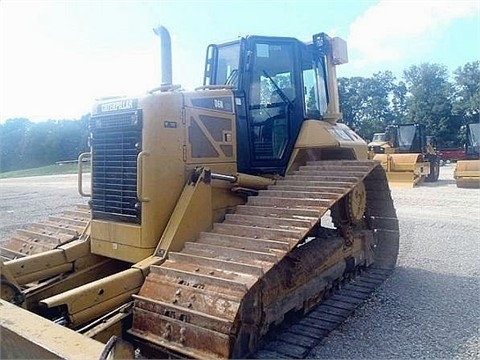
(164, 169)
(404, 170)
(26, 335)
(318, 140)
(467, 173)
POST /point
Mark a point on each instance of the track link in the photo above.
(295, 339)
(47, 235)
(222, 293)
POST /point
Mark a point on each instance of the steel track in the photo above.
(221, 294)
(47, 235)
(295, 339)
(240, 253)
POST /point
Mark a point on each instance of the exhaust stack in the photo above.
(166, 54)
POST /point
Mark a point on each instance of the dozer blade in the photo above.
(467, 174)
(26, 335)
(404, 170)
(56, 231)
(218, 297)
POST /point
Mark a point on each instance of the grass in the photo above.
(44, 170)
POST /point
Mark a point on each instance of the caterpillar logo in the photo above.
(119, 105)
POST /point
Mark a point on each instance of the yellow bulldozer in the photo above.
(467, 172)
(213, 214)
(408, 156)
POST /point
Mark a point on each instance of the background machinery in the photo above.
(208, 214)
(467, 172)
(407, 155)
(374, 146)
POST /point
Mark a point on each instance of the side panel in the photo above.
(210, 128)
(158, 178)
(212, 142)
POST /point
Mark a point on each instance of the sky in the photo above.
(57, 57)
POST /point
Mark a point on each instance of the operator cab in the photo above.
(407, 137)
(378, 137)
(277, 82)
(472, 148)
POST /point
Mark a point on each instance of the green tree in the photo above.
(24, 144)
(351, 100)
(466, 103)
(467, 90)
(369, 105)
(13, 142)
(429, 102)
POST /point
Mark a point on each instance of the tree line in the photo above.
(25, 144)
(425, 94)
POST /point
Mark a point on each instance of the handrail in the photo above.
(214, 87)
(81, 158)
(140, 157)
(169, 87)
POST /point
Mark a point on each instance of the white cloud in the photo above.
(45, 78)
(392, 30)
(52, 82)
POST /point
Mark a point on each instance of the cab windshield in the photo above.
(474, 135)
(378, 137)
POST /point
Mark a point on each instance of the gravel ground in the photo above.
(429, 308)
(32, 199)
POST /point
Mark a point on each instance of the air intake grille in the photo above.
(116, 142)
(115, 121)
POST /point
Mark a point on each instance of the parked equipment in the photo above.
(375, 146)
(209, 210)
(407, 156)
(467, 172)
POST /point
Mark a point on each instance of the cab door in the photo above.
(274, 102)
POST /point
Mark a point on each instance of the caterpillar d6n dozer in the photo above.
(467, 172)
(213, 214)
(406, 155)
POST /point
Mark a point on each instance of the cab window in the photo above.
(272, 93)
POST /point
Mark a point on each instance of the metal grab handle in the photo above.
(213, 87)
(165, 88)
(140, 157)
(80, 173)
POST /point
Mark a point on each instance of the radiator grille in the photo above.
(115, 121)
(116, 142)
